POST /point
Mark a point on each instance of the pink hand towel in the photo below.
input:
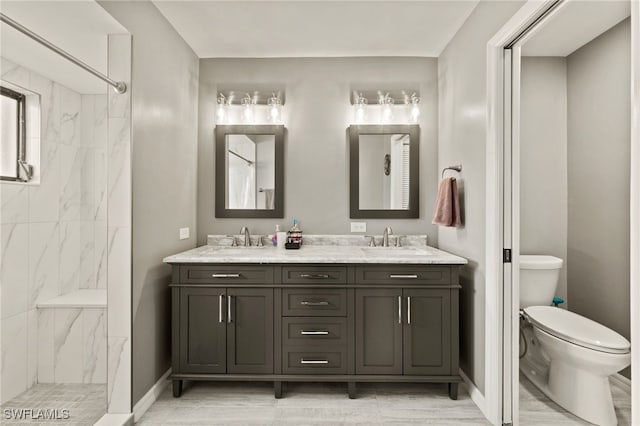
(447, 212)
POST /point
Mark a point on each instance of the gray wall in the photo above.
(462, 139)
(543, 160)
(317, 113)
(598, 76)
(164, 103)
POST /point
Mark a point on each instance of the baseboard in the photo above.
(115, 420)
(621, 381)
(476, 396)
(150, 397)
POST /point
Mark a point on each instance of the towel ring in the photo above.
(456, 168)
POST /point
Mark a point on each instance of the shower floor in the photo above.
(85, 404)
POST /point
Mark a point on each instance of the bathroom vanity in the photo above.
(330, 313)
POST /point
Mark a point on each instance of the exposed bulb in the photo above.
(387, 108)
(415, 109)
(360, 109)
(247, 109)
(221, 113)
(275, 106)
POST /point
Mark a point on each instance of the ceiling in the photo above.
(574, 25)
(266, 29)
(78, 27)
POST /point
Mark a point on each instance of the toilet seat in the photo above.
(577, 329)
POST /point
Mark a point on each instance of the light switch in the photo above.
(184, 233)
(358, 226)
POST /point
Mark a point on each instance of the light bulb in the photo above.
(247, 109)
(387, 108)
(275, 106)
(360, 109)
(221, 113)
(414, 114)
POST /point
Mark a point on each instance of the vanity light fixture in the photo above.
(386, 102)
(414, 108)
(221, 109)
(275, 109)
(248, 103)
(360, 108)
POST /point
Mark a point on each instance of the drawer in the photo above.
(314, 274)
(226, 274)
(306, 302)
(314, 362)
(309, 332)
(403, 274)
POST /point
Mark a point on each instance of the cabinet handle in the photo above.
(314, 361)
(408, 309)
(225, 276)
(399, 309)
(404, 276)
(220, 305)
(308, 303)
(315, 276)
(229, 308)
(314, 333)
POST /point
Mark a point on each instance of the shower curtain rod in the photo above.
(119, 86)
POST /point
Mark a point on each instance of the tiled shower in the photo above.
(54, 245)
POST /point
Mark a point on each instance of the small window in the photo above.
(13, 165)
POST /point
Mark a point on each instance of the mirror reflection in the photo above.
(250, 172)
(384, 171)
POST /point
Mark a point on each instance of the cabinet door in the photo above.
(202, 331)
(250, 331)
(427, 332)
(378, 331)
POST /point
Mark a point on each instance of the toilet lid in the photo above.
(577, 329)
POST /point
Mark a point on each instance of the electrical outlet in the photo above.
(358, 226)
(184, 233)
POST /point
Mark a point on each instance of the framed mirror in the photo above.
(249, 171)
(384, 161)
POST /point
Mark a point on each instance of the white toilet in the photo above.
(569, 357)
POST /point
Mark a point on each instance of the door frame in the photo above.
(502, 214)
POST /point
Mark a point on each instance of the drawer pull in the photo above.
(404, 276)
(408, 309)
(225, 276)
(314, 333)
(220, 304)
(314, 361)
(399, 309)
(308, 303)
(315, 276)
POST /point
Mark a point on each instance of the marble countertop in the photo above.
(416, 255)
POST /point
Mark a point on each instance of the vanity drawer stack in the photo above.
(314, 321)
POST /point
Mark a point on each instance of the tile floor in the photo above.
(86, 403)
(210, 403)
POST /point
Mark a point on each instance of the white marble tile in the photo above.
(71, 159)
(44, 200)
(44, 262)
(119, 279)
(49, 107)
(14, 73)
(86, 119)
(120, 70)
(13, 357)
(15, 203)
(100, 184)
(46, 330)
(94, 338)
(69, 255)
(119, 172)
(119, 375)
(87, 184)
(32, 347)
(100, 253)
(67, 346)
(14, 269)
(100, 121)
(86, 256)
(70, 105)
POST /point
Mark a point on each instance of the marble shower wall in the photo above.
(53, 235)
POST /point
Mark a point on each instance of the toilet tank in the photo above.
(538, 279)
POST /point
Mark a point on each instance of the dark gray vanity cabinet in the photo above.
(346, 323)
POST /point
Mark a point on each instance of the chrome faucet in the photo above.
(247, 238)
(385, 236)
